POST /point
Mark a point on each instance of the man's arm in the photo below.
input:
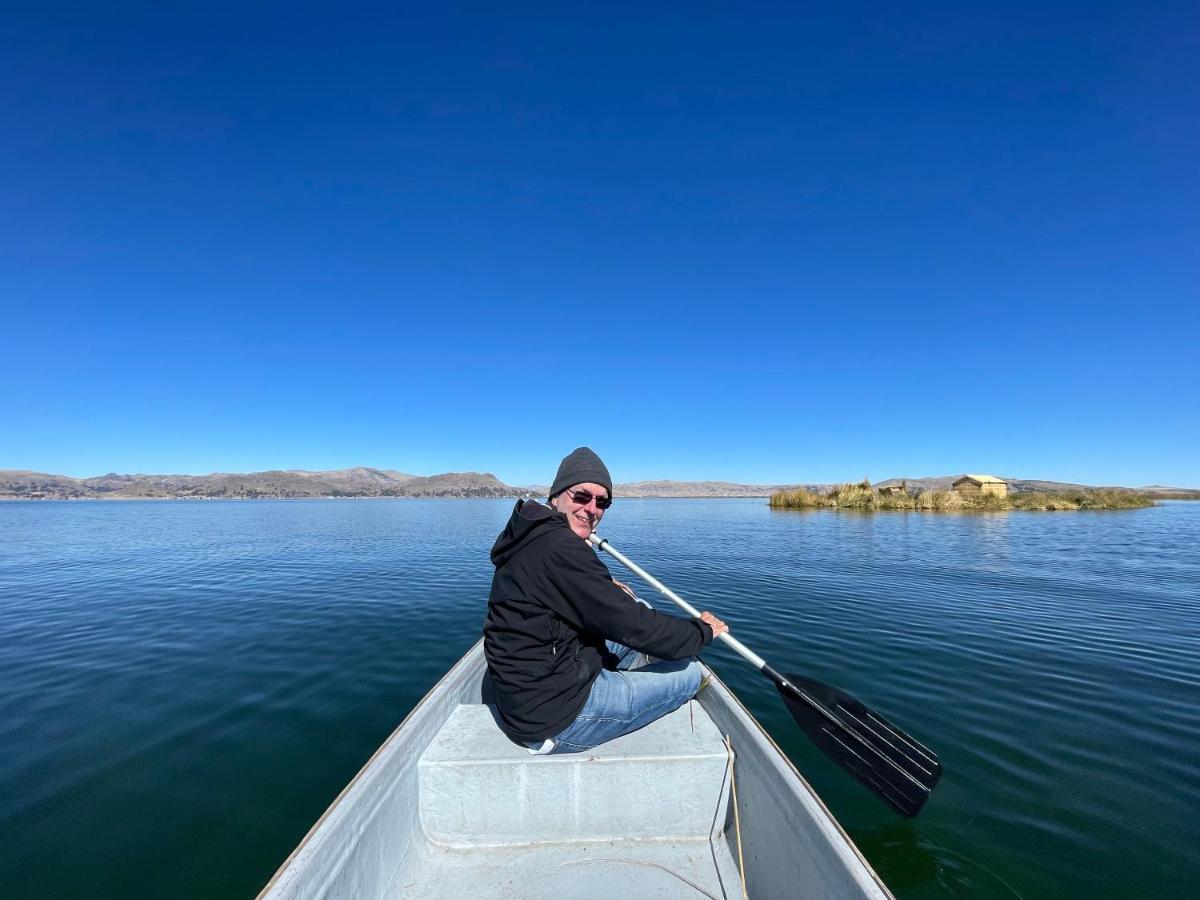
(587, 596)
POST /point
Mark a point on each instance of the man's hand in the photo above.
(626, 588)
(718, 627)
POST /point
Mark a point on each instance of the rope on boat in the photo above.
(737, 819)
(639, 862)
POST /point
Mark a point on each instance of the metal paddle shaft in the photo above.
(899, 770)
(601, 544)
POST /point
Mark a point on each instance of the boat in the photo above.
(701, 803)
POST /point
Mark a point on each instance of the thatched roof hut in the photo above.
(981, 484)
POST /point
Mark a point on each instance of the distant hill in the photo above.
(277, 484)
(363, 481)
(1160, 492)
(459, 484)
(359, 473)
(699, 489)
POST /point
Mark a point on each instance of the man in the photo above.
(560, 635)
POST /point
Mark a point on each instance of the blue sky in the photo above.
(758, 243)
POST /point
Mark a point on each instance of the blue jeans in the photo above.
(631, 697)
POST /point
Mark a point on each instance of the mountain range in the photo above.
(363, 481)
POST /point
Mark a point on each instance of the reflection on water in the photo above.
(188, 685)
(908, 862)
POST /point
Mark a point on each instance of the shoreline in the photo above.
(763, 497)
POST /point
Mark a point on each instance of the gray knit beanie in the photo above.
(580, 466)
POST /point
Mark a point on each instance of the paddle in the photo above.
(897, 769)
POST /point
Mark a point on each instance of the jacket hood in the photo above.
(529, 521)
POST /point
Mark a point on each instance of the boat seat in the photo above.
(479, 789)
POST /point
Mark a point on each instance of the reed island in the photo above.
(863, 496)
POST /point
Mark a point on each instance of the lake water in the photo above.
(185, 686)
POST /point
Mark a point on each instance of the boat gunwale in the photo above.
(741, 708)
(358, 776)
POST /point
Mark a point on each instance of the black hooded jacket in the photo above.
(553, 605)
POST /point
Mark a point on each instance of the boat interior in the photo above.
(642, 816)
(450, 808)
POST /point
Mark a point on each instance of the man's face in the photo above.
(582, 517)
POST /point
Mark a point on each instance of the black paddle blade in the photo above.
(899, 770)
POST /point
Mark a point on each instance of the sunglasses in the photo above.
(583, 498)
